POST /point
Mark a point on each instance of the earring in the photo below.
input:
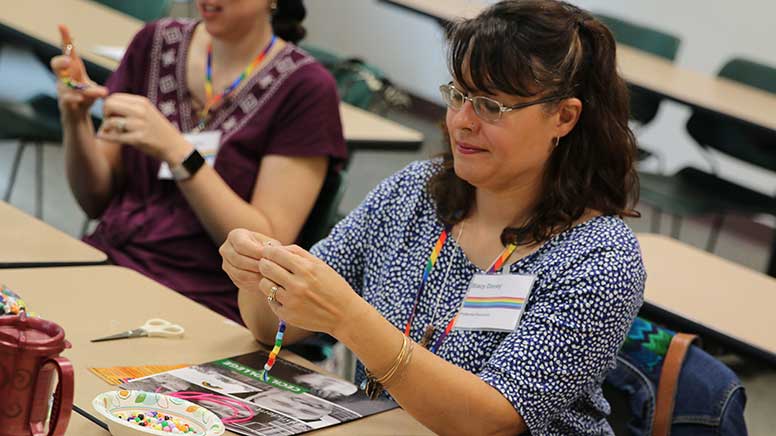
(273, 7)
(557, 141)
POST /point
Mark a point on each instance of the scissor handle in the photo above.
(162, 328)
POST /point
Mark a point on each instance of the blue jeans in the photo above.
(710, 399)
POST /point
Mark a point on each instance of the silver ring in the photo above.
(273, 294)
(121, 125)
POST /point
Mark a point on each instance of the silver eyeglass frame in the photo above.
(447, 88)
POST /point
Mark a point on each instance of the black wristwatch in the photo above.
(189, 166)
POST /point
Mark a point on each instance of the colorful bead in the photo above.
(74, 85)
(157, 421)
(275, 351)
(10, 302)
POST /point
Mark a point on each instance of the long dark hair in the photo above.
(531, 47)
(287, 20)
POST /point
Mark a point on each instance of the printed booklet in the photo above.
(295, 400)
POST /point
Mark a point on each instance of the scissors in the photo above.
(154, 327)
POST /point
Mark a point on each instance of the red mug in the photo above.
(29, 358)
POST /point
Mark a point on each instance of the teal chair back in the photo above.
(750, 73)
(738, 139)
(144, 10)
(325, 57)
(644, 104)
(644, 38)
(324, 211)
(357, 81)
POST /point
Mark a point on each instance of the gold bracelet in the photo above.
(373, 387)
(400, 370)
(396, 362)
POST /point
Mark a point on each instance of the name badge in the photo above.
(207, 144)
(494, 302)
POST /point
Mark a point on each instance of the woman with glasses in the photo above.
(488, 290)
(209, 125)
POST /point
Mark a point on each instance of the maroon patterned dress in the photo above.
(290, 107)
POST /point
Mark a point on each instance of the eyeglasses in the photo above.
(486, 108)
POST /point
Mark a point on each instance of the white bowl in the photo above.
(203, 421)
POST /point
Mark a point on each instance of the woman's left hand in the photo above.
(310, 294)
(134, 120)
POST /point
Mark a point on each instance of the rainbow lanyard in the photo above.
(432, 259)
(214, 100)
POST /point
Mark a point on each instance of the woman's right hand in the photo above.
(74, 102)
(241, 253)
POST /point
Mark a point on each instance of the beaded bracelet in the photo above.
(275, 351)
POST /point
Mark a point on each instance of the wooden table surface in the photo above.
(90, 302)
(93, 25)
(727, 300)
(26, 241)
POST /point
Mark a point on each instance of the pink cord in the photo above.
(236, 406)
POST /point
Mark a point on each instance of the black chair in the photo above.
(31, 124)
(318, 348)
(692, 191)
(324, 212)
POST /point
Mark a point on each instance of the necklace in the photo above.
(212, 100)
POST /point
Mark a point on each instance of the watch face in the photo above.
(188, 167)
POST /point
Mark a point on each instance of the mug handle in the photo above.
(62, 405)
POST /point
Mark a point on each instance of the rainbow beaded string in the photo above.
(67, 50)
(275, 351)
(70, 83)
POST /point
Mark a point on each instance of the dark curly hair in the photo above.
(531, 47)
(287, 20)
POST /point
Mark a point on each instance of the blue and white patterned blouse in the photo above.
(589, 287)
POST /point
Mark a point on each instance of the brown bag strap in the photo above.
(669, 378)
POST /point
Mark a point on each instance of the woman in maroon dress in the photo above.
(277, 132)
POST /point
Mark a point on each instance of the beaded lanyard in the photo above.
(430, 329)
(213, 100)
